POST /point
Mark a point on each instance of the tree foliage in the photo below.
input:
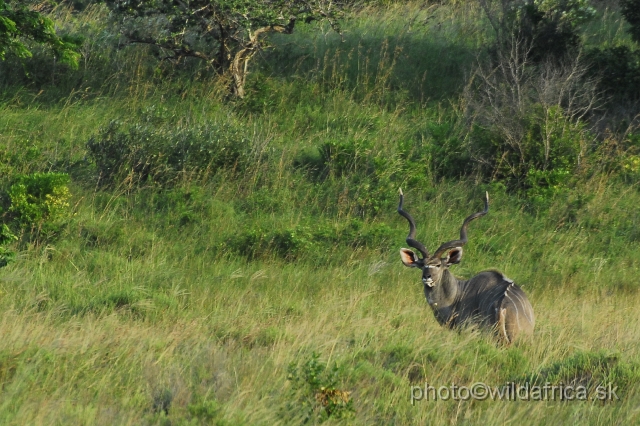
(20, 25)
(548, 27)
(631, 12)
(618, 67)
(224, 33)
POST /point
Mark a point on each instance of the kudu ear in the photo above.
(409, 258)
(453, 256)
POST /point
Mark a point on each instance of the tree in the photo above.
(549, 28)
(20, 25)
(225, 34)
(631, 12)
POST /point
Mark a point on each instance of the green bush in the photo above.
(446, 151)
(315, 392)
(207, 410)
(346, 157)
(295, 242)
(542, 163)
(36, 202)
(367, 175)
(38, 198)
(6, 237)
(157, 150)
(337, 158)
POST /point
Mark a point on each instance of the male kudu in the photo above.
(489, 299)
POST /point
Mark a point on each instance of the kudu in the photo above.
(489, 299)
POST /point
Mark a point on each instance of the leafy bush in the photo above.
(337, 158)
(6, 237)
(36, 202)
(527, 123)
(367, 175)
(346, 157)
(293, 243)
(160, 152)
(207, 410)
(316, 395)
(539, 163)
(38, 198)
(446, 151)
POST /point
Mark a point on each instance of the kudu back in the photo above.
(488, 299)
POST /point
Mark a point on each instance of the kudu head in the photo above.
(449, 253)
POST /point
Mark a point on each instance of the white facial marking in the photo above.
(428, 281)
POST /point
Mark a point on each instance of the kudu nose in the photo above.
(426, 278)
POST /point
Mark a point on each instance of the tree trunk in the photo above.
(240, 63)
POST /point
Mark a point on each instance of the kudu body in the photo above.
(488, 299)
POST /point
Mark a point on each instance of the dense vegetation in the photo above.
(174, 253)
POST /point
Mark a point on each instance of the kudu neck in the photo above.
(451, 287)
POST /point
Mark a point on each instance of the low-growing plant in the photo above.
(368, 175)
(149, 151)
(446, 150)
(206, 410)
(22, 26)
(315, 393)
(590, 369)
(39, 198)
(6, 237)
(295, 242)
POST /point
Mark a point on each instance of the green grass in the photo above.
(195, 302)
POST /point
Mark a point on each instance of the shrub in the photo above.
(527, 126)
(6, 237)
(295, 242)
(446, 152)
(38, 198)
(619, 156)
(316, 395)
(346, 157)
(160, 152)
(367, 175)
(206, 410)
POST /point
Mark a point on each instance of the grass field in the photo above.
(247, 293)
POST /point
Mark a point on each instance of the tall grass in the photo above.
(190, 303)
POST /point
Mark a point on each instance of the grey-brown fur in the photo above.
(488, 299)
